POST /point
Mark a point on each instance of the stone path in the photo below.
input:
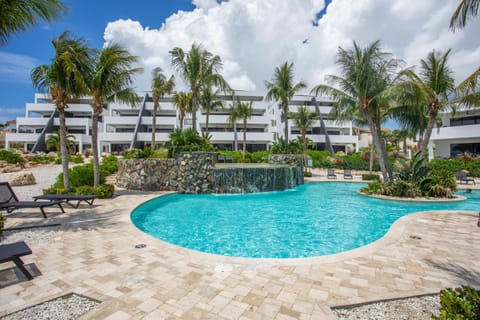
(94, 255)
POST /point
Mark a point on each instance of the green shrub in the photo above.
(259, 156)
(159, 154)
(453, 165)
(104, 191)
(307, 174)
(84, 190)
(373, 187)
(11, 157)
(109, 164)
(439, 191)
(80, 176)
(77, 158)
(187, 140)
(54, 190)
(58, 160)
(370, 176)
(44, 159)
(444, 178)
(2, 222)
(459, 304)
(137, 153)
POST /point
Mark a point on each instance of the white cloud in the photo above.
(16, 67)
(254, 36)
(10, 113)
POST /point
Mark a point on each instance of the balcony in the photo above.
(218, 137)
(120, 121)
(21, 137)
(460, 132)
(123, 137)
(161, 121)
(147, 136)
(334, 139)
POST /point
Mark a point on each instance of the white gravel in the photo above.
(45, 176)
(68, 307)
(33, 236)
(415, 308)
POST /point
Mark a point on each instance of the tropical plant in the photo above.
(281, 88)
(459, 304)
(22, 14)
(65, 78)
(422, 97)
(209, 102)
(182, 140)
(280, 146)
(161, 86)
(465, 10)
(109, 80)
(53, 142)
(244, 111)
(303, 119)
(198, 68)
(468, 91)
(11, 157)
(360, 95)
(183, 102)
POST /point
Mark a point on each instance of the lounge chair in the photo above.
(228, 159)
(13, 252)
(66, 198)
(9, 201)
(220, 158)
(347, 174)
(331, 174)
(462, 178)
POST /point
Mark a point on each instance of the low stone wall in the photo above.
(195, 172)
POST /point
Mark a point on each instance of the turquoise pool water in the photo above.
(314, 219)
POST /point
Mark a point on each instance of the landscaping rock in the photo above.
(22, 179)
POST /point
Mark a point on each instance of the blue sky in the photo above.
(86, 19)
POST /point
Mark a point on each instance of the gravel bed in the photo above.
(33, 235)
(68, 307)
(415, 308)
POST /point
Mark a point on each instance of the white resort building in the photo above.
(459, 133)
(122, 127)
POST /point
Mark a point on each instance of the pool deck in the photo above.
(94, 255)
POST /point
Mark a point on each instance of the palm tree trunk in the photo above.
(154, 125)
(244, 137)
(405, 146)
(207, 115)
(423, 142)
(371, 157)
(235, 136)
(96, 156)
(182, 116)
(63, 147)
(304, 136)
(285, 114)
(194, 112)
(383, 160)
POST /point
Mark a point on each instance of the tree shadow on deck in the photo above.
(463, 275)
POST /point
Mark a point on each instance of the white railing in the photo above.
(459, 132)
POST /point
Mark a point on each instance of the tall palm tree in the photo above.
(281, 88)
(183, 102)
(465, 10)
(244, 111)
(367, 73)
(209, 102)
(64, 78)
(198, 68)
(429, 91)
(232, 119)
(303, 119)
(161, 86)
(110, 80)
(19, 15)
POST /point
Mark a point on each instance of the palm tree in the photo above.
(183, 102)
(64, 78)
(198, 68)
(53, 142)
(426, 94)
(244, 111)
(303, 119)
(232, 119)
(469, 91)
(109, 80)
(281, 88)
(367, 73)
(465, 10)
(209, 102)
(19, 15)
(160, 87)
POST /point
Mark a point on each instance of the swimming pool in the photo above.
(314, 219)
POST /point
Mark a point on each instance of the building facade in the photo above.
(459, 133)
(124, 127)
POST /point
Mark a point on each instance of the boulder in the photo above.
(22, 179)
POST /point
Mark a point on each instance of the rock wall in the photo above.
(195, 172)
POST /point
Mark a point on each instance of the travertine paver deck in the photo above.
(95, 255)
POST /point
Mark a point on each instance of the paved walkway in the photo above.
(94, 254)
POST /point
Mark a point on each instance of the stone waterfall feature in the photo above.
(199, 172)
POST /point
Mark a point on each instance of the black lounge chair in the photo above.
(220, 158)
(462, 178)
(66, 198)
(347, 174)
(13, 252)
(9, 201)
(331, 174)
(228, 159)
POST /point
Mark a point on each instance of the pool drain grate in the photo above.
(414, 237)
(140, 246)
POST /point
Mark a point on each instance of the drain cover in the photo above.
(415, 237)
(140, 245)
